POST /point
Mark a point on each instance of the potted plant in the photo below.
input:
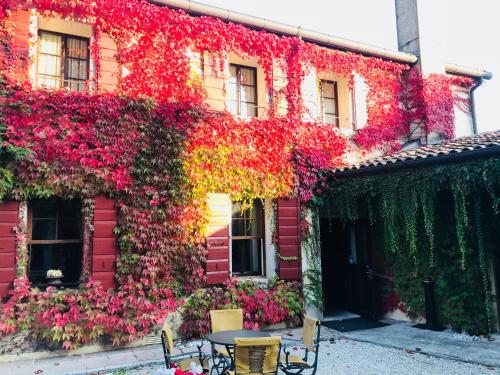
(54, 277)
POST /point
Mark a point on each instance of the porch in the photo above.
(387, 224)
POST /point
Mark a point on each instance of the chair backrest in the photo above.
(257, 355)
(309, 332)
(167, 342)
(226, 320)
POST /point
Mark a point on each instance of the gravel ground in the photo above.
(342, 357)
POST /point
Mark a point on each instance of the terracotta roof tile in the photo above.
(463, 145)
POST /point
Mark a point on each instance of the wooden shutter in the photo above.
(359, 108)
(288, 225)
(104, 246)
(218, 239)
(9, 217)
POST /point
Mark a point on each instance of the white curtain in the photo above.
(49, 60)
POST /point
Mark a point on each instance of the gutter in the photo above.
(469, 72)
(259, 23)
(479, 76)
(423, 162)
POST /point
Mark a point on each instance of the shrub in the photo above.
(276, 302)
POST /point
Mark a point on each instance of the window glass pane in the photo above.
(48, 81)
(49, 65)
(43, 229)
(64, 257)
(329, 106)
(43, 208)
(328, 89)
(71, 68)
(77, 48)
(248, 109)
(232, 73)
(247, 94)
(70, 221)
(246, 227)
(50, 44)
(76, 69)
(246, 257)
(56, 219)
(49, 60)
(330, 119)
(83, 70)
(252, 212)
(247, 76)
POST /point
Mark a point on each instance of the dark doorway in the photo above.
(347, 275)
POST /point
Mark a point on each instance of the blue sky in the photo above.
(470, 31)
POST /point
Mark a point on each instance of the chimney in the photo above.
(421, 27)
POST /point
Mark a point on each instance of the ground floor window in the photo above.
(247, 238)
(55, 239)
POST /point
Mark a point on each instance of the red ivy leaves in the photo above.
(72, 320)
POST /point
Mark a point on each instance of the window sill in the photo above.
(256, 279)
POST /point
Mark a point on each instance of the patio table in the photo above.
(226, 338)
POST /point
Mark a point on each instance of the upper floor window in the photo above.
(247, 239)
(63, 61)
(329, 102)
(55, 239)
(242, 90)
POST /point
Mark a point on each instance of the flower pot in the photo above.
(56, 282)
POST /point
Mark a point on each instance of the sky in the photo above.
(470, 32)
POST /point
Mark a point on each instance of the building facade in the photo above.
(289, 108)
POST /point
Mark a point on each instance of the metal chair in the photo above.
(256, 356)
(224, 320)
(184, 360)
(294, 365)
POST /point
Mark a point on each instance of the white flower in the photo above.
(54, 274)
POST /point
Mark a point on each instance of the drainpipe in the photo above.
(478, 83)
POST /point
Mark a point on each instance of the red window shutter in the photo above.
(218, 238)
(104, 246)
(288, 226)
(9, 217)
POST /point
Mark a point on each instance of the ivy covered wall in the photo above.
(440, 222)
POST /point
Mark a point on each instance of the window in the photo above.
(63, 61)
(242, 90)
(329, 102)
(55, 239)
(247, 239)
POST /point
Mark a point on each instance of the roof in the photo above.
(454, 150)
(196, 8)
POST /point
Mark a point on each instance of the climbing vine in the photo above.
(434, 230)
(157, 149)
(312, 284)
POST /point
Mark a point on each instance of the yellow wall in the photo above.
(65, 27)
(109, 66)
(214, 79)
